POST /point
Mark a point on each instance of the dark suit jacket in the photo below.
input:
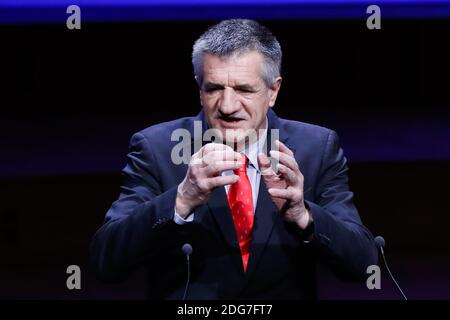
(139, 229)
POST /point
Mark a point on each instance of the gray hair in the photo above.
(237, 36)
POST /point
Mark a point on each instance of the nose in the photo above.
(229, 103)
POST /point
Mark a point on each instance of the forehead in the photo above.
(244, 67)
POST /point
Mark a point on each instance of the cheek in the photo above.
(210, 110)
(210, 101)
(257, 109)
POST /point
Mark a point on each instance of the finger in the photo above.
(210, 147)
(265, 166)
(196, 158)
(286, 194)
(282, 147)
(218, 167)
(285, 159)
(221, 181)
(289, 175)
(221, 155)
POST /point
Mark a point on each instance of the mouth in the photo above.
(231, 122)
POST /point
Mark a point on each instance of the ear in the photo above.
(273, 91)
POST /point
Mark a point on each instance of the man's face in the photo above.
(234, 95)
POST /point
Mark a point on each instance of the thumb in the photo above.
(265, 166)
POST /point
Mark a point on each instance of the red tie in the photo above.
(240, 200)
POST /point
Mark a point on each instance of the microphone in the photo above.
(380, 243)
(187, 250)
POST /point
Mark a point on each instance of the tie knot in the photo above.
(242, 169)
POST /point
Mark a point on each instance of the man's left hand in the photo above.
(286, 188)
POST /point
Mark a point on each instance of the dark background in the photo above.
(70, 101)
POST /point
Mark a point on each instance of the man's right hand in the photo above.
(204, 174)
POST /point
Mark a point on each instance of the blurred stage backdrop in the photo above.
(71, 99)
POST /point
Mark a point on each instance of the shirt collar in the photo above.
(257, 147)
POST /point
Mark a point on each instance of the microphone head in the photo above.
(379, 242)
(187, 249)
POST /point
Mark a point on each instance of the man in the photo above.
(256, 229)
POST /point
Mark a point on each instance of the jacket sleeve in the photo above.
(342, 240)
(140, 223)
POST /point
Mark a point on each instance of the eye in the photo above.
(211, 88)
(244, 90)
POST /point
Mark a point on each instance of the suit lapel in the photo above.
(220, 212)
(266, 217)
(266, 213)
(217, 205)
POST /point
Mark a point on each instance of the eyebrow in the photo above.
(245, 87)
(212, 85)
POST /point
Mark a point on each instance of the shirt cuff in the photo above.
(179, 220)
(308, 233)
